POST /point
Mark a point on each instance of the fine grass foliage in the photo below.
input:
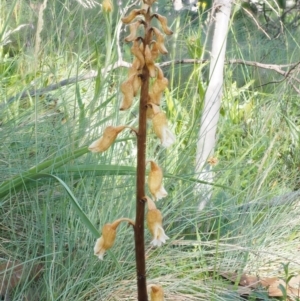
(55, 195)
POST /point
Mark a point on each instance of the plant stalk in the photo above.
(140, 176)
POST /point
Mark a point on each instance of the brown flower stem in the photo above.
(140, 178)
(117, 222)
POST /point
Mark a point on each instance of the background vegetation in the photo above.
(252, 222)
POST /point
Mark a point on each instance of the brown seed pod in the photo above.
(133, 27)
(160, 41)
(128, 93)
(149, 61)
(133, 14)
(163, 21)
(137, 52)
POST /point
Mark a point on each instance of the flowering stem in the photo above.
(140, 178)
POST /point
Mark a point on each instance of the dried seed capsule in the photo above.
(160, 41)
(133, 14)
(164, 25)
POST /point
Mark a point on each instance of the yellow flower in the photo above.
(213, 161)
(156, 292)
(106, 241)
(154, 222)
(160, 125)
(155, 178)
(109, 136)
(107, 6)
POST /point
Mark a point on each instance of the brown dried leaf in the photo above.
(13, 273)
(272, 286)
(295, 281)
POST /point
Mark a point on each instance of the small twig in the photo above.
(255, 21)
(120, 63)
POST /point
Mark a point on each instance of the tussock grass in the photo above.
(252, 223)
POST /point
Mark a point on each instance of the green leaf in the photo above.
(85, 220)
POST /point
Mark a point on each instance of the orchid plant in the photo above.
(146, 79)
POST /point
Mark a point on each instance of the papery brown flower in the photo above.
(133, 14)
(154, 50)
(133, 27)
(107, 6)
(108, 237)
(156, 292)
(149, 2)
(135, 72)
(137, 52)
(160, 41)
(159, 85)
(155, 179)
(160, 125)
(127, 89)
(149, 61)
(163, 21)
(108, 137)
(154, 223)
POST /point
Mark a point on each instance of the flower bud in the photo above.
(155, 179)
(156, 292)
(109, 136)
(107, 6)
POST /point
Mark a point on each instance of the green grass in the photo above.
(252, 222)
